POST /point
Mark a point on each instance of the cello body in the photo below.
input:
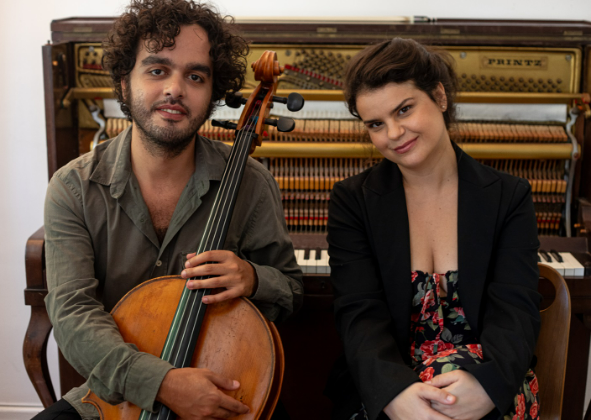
(235, 341)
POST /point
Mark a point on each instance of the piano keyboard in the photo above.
(567, 264)
(313, 261)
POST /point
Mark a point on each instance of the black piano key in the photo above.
(545, 255)
(556, 255)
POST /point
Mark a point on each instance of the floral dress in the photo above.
(441, 339)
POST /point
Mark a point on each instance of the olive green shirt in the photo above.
(100, 243)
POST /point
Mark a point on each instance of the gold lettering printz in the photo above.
(516, 63)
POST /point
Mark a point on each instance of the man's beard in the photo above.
(168, 141)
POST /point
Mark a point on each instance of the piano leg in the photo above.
(35, 354)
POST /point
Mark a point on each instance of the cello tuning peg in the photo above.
(294, 101)
(283, 124)
(235, 100)
(224, 124)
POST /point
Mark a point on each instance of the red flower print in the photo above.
(515, 417)
(429, 360)
(520, 409)
(533, 411)
(476, 349)
(435, 317)
(427, 374)
(446, 353)
(431, 348)
(460, 311)
(414, 276)
(533, 386)
(415, 317)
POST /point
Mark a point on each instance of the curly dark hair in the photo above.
(157, 23)
(397, 61)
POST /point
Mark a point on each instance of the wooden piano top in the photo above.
(342, 31)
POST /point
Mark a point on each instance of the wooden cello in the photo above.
(231, 338)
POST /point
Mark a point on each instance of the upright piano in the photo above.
(522, 108)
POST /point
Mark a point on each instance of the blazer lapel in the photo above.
(388, 218)
(478, 204)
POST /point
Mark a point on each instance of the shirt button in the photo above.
(158, 263)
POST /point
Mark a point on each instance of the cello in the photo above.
(231, 338)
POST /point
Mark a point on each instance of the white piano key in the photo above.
(299, 254)
(323, 265)
(312, 262)
(574, 267)
(569, 270)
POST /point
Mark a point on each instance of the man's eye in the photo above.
(156, 72)
(196, 78)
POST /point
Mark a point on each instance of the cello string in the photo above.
(214, 243)
(243, 147)
(180, 316)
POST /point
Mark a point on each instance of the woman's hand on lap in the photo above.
(472, 400)
(414, 403)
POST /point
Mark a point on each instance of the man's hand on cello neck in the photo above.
(229, 272)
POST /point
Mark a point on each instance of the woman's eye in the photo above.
(375, 124)
(404, 109)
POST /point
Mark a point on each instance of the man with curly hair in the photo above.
(134, 208)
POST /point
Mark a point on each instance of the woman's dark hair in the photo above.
(398, 61)
(156, 23)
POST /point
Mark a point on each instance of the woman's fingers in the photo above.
(432, 393)
(445, 379)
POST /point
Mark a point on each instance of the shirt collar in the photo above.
(114, 165)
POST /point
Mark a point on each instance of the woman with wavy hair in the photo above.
(433, 258)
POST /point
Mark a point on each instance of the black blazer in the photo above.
(369, 247)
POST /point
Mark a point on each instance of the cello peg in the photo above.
(283, 124)
(235, 100)
(294, 101)
(224, 124)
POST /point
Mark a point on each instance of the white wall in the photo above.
(24, 28)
